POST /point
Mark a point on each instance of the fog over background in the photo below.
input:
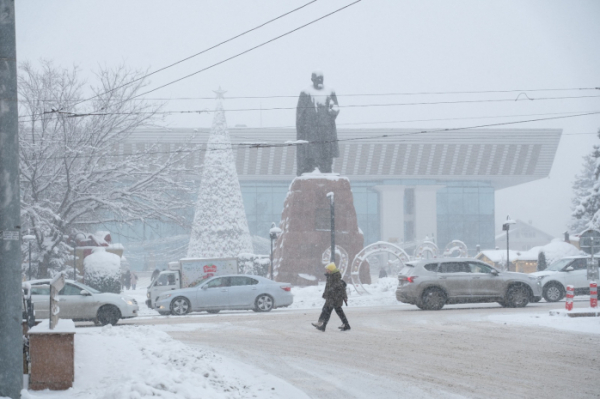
(373, 47)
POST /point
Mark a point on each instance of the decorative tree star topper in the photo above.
(220, 93)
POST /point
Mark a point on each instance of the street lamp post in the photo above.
(273, 233)
(506, 227)
(29, 238)
(330, 195)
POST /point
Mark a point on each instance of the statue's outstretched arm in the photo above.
(334, 109)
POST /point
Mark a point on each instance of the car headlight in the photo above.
(165, 296)
(130, 302)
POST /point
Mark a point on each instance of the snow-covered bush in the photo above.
(103, 271)
(257, 265)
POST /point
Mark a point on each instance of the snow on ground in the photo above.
(130, 362)
(589, 325)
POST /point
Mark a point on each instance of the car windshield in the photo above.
(88, 288)
(559, 265)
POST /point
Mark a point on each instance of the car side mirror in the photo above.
(85, 293)
(569, 269)
(495, 272)
(204, 287)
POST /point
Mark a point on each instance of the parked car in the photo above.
(431, 284)
(571, 270)
(240, 292)
(82, 303)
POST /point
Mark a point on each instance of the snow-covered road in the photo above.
(398, 351)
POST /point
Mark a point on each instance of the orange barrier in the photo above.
(570, 295)
(593, 294)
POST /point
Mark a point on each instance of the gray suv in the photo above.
(432, 283)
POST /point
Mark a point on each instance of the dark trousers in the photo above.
(326, 314)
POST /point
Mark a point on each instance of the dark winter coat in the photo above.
(335, 290)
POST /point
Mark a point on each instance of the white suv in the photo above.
(571, 270)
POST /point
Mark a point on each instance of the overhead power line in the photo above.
(379, 122)
(382, 136)
(79, 115)
(250, 49)
(199, 53)
(425, 93)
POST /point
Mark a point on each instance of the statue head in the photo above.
(317, 79)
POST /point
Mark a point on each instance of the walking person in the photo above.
(134, 279)
(335, 296)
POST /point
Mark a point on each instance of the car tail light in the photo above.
(288, 289)
(410, 279)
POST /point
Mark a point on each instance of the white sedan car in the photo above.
(82, 303)
(239, 292)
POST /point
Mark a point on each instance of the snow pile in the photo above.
(554, 251)
(139, 362)
(103, 270)
(590, 325)
(382, 292)
(220, 228)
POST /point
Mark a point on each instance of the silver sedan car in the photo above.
(82, 303)
(228, 292)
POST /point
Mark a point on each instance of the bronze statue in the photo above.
(315, 123)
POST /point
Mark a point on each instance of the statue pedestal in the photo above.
(306, 229)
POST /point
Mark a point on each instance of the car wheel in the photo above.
(180, 306)
(503, 304)
(107, 314)
(433, 299)
(553, 292)
(264, 303)
(214, 311)
(517, 296)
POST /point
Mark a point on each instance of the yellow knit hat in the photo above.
(331, 267)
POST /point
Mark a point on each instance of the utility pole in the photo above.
(11, 293)
(332, 209)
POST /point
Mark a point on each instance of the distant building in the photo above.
(407, 184)
(522, 237)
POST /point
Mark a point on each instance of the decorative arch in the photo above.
(426, 250)
(375, 248)
(339, 251)
(454, 247)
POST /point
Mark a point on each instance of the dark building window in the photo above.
(409, 201)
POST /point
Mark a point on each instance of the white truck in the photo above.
(188, 272)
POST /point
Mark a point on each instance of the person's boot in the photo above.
(319, 325)
(345, 327)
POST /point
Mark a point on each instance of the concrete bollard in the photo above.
(593, 294)
(570, 295)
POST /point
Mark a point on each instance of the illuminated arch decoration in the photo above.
(339, 251)
(456, 249)
(379, 247)
(426, 250)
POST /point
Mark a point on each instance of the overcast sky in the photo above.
(373, 47)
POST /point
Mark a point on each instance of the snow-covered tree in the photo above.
(73, 173)
(220, 228)
(586, 198)
(541, 261)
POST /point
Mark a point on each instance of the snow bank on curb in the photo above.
(382, 292)
(589, 325)
(130, 362)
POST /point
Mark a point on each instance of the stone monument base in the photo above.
(306, 229)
